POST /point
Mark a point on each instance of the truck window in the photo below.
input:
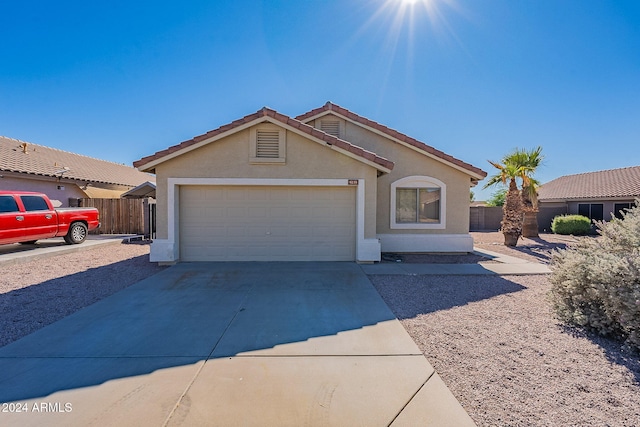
(34, 203)
(8, 204)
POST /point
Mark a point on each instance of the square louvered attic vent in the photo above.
(332, 127)
(268, 144)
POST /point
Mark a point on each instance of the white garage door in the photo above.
(238, 223)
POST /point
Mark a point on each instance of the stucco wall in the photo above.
(608, 206)
(229, 158)
(59, 197)
(409, 162)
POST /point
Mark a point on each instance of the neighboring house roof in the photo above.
(394, 135)
(613, 183)
(25, 157)
(265, 114)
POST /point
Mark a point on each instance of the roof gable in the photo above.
(393, 135)
(612, 183)
(265, 115)
(33, 159)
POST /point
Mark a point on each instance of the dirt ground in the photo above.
(535, 250)
(496, 343)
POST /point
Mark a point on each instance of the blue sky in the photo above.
(120, 80)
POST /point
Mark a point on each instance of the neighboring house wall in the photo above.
(592, 209)
(607, 206)
(229, 158)
(547, 213)
(58, 192)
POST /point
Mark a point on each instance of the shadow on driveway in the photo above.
(195, 312)
(25, 310)
(410, 296)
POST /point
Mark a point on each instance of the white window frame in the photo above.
(418, 181)
(253, 158)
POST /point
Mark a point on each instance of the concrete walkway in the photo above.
(42, 249)
(227, 344)
(501, 265)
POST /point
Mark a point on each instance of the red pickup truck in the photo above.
(26, 217)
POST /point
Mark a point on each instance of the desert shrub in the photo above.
(596, 282)
(571, 224)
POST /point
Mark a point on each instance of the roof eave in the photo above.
(55, 177)
(271, 116)
(324, 112)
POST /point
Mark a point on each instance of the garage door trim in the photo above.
(367, 250)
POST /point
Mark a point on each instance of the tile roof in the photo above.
(25, 157)
(331, 107)
(623, 182)
(266, 112)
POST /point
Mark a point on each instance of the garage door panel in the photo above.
(211, 195)
(300, 213)
(322, 212)
(256, 194)
(338, 213)
(239, 193)
(303, 233)
(214, 212)
(258, 212)
(278, 212)
(219, 223)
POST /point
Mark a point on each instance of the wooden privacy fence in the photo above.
(121, 216)
(488, 218)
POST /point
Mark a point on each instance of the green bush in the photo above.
(596, 282)
(577, 225)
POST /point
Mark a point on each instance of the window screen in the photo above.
(417, 205)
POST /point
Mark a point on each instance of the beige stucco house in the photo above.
(327, 185)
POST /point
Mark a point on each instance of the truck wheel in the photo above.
(77, 233)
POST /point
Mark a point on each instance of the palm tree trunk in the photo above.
(530, 218)
(530, 224)
(512, 215)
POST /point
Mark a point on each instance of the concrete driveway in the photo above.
(16, 253)
(228, 344)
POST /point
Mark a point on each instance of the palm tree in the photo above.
(511, 224)
(528, 161)
(521, 207)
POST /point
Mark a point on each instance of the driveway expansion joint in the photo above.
(411, 398)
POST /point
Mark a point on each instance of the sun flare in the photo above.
(402, 30)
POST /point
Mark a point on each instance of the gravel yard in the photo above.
(37, 293)
(497, 345)
(493, 340)
(537, 249)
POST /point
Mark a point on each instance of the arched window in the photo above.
(418, 202)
